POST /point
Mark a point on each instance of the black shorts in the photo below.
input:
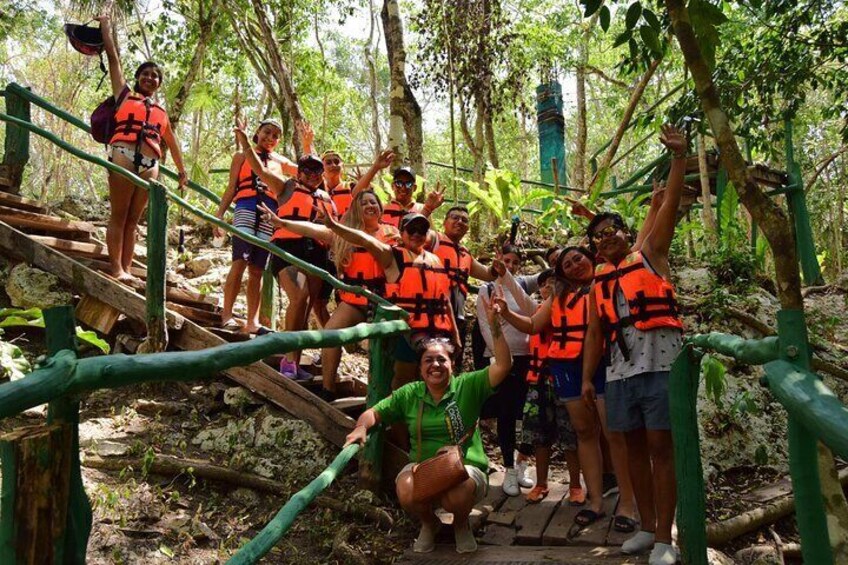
(327, 288)
(303, 248)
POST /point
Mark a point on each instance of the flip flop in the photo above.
(231, 324)
(262, 330)
(624, 524)
(537, 494)
(584, 519)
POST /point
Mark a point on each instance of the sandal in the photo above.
(263, 330)
(624, 524)
(584, 519)
(232, 324)
(537, 494)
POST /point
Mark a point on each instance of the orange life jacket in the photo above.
(423, 290)
(364, 270)
(394, 212)
(140, 120)
(299, 207)
(249, 185)
(650, 298)
(569, 322)
(342, 195)
(539, 347)
(457, 262)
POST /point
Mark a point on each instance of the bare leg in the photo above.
(585, 422)
(120, 198)
(343, 316)
(139, 202)
(254, 297)
(573, 462)
(294, 285)
(231, 288)
(639, 463)
(322, 314)
(459, 501)
(661, 449)
(618, 456)
(543, 458)
(420, 511)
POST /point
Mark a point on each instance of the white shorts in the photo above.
(481, 479)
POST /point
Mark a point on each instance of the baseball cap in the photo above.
(403, 170)
(270, 122)
(311, 161)
(413, 217)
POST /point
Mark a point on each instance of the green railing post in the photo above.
(803, 450)
(157, 241)
(691, 505)
(60, 330)
(16, 149)
(381, 361)
(797, 200)
(268, 307)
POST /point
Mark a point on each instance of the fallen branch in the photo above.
(750, 554)
(823, 289)
(720, 533)
(173, 466)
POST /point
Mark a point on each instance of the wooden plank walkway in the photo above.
(445, 554)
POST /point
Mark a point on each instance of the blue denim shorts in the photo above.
(568, 378)
(638, 402)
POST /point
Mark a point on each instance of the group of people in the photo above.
(585, 368)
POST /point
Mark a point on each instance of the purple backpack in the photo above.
(103, 117)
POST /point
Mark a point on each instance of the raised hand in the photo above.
(307, 135)
(579, 209)
(498, 266)
(498, 301)
(385, 159)
(674, 140)
(240, 130)
(324, 215)
(268, 215)
(435, 198)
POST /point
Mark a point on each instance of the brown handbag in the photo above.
(441, 472)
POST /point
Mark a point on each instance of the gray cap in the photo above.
(413, 217)
(401, 170)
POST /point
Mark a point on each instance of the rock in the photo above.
(267, 469)
(29, 287)
(106, 448)
(237, 434)
(694, 280)
(245, 497)
(715, 557)
(198, 266)
(85, 208)
(240, 398)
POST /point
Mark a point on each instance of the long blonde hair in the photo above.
(342, 248)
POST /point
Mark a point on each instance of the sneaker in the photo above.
(609, 485)
(663, 554)
(638, 543)
(426, 540)
(521, 472)
(510, 484)
(288, 369)
(576, 496)
(303, 375)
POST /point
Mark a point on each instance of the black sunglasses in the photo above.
(416, 229)
(405, 183)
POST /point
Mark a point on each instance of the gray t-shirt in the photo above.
(650, 351)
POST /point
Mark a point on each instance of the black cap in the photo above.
(413, 217)
(400, 170)
(310, 158)
(544, 276)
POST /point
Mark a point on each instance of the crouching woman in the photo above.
(442, 410)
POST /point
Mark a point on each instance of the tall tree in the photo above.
(404, 111)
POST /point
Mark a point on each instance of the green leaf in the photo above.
(649, 36)
(633, 14)
(13, 364)
(19, 321)
(604, 18)
(28, 314)
(90, 337)
(591, 7)
(623, 38)
(715, 381)
(705, 18)
(652, 19)
(727, 212)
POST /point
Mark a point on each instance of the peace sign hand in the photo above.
(241, 133)
(436, 198)
(269, 215)
(324, 216)
(385, 159)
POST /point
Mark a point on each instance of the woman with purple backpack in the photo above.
(141, 127)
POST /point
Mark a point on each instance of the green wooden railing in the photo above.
(63, 376)
(815, 414)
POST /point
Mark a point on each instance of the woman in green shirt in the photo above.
(451, 407)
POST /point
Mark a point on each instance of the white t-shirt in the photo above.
(517, 293)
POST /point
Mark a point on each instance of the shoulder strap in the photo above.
(468, 434)
(420, 417)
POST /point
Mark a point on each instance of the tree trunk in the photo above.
(707, 215)
(580, 71)
(770, 218)
(373, 92)
(207, 24)
(598, 180)
(404, 111)
(280, 72)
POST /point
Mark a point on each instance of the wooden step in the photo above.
(21, 203)
(42, 222)
(445, 554)
(97, 314)
(198, 315)
(74, 248)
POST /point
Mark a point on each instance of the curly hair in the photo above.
(616, 219)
